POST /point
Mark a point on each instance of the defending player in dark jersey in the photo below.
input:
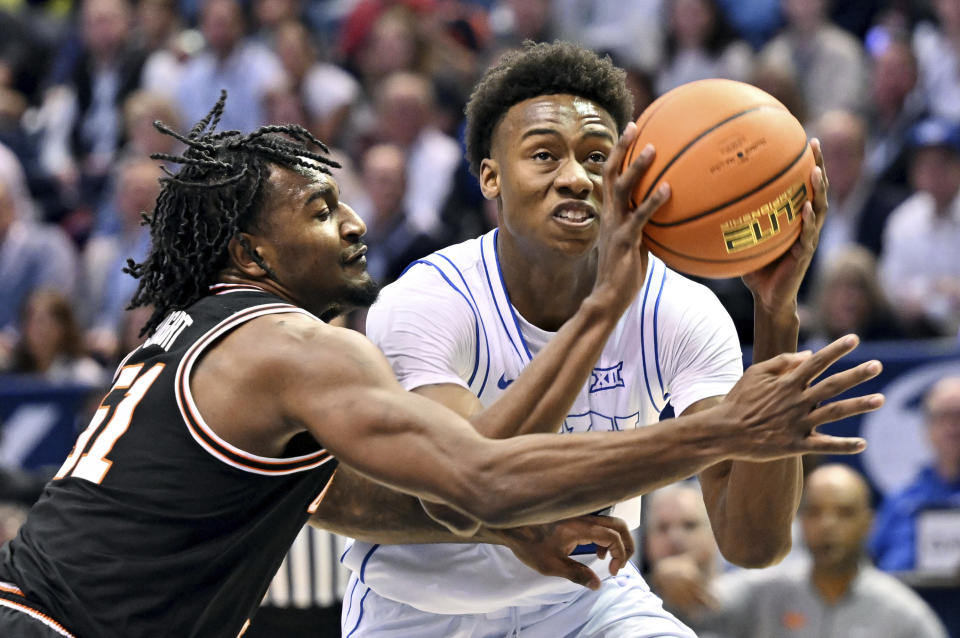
(217, 438)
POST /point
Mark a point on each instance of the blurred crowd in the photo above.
(384, 83)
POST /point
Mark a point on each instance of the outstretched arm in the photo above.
(752, 505)
(338, 386)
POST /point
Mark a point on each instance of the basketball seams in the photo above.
(703, 134)
(742, 196)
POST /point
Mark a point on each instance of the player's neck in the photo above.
(546, 289)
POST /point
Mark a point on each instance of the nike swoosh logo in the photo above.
(502, 383)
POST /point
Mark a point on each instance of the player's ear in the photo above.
(246, 254)
(490, 178)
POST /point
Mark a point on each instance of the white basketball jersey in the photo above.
(448, 319)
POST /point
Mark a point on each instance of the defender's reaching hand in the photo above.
(546, 548)
(775, 408)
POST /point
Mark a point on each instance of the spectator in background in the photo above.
(246, 69)
(938, 55)
(50, 344)
(829, 63)
(629, 29)
(838, 594)
(894, 541)
(514, 21)
(859, 207)
(327, 92)
(269, 15)
(755, 20)
(394, 42)
(920, 263)
(405, 109)
(847, 298)
(896, 105)
(699, 45)
(32, 255)
(140, 111)
(81, 114)
(159, 31)
(107, 290)
(393, 238)
(357, 29)
(681, 551)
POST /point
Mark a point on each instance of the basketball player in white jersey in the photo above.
(462, 325)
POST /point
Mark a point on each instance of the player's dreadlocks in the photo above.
(215, 196)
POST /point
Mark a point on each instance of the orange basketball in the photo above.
(738, 165)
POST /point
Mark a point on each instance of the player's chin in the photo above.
(361, 291)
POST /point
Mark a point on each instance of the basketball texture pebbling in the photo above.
(738, 164)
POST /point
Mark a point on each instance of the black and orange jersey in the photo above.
(154, 525)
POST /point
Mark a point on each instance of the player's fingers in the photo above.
(819, 199)
(817, 149)
(620, 530)
(645, 211)
(840, 382)
(809, 233)
(607, 541)
(624, 182)
(837, 410)
(783, 362)
(614, 167)
(818, 443)
(825, 357)
(574, 572)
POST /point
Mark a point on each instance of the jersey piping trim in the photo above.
(493, 294)
(477, 321)
(363, 565)
(10, 588)
(223, 289)
(360, 616)
(204, 435)
(349, 597)
(37, 615)
(656, 337)
(506, 296)
(643, 334)
(483, 327)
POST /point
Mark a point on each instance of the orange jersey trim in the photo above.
(37, 615)
(11, 589)
(204, 435)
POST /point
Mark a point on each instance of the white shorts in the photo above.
(623, 607)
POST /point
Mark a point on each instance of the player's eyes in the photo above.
(542, 156)
(597, 157)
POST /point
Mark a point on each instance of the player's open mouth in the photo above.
(574, 213)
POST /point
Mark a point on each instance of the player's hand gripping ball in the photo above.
(738, 164)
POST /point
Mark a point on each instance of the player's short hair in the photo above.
(542, 69)
(215, 196)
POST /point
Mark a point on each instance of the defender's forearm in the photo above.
(357, 507)
(586, 472)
